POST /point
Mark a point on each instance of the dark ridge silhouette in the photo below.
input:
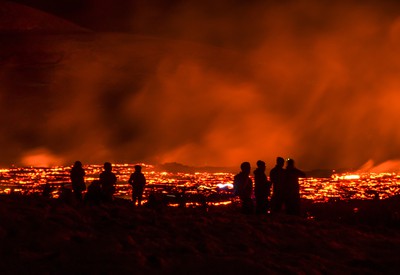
(16, 18)
(42, 236)
(175, 167)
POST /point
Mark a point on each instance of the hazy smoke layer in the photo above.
(310, 80)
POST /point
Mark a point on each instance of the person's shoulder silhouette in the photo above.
(291, 169)
(241, 178)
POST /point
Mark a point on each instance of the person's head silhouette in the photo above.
(290, 163)
(78, 164)
(261, 165)
(245, 167)
(138, 168)
(107, 167)
(280, 161)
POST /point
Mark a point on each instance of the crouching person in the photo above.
(94, 195)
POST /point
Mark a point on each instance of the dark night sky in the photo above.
(206, 83)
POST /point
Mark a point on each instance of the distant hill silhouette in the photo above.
(15, 18)
(175, 167)
(320, 173)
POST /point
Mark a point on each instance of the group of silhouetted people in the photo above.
(284, 182)
(103, 189)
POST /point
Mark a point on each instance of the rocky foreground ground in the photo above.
(39, 235)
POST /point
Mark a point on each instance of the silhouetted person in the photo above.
(138, 181)
(94, 194)
(243, 187)
(152, 201)
(65, 193)
(107, 182)
(292, 194)
(277, 177)
(181, 196)
(77, 176)
(262, 188)
(46, 190)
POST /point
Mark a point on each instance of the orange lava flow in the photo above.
(217, 187)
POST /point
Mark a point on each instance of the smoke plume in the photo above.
(211, 84)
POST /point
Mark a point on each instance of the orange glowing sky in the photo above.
(205, 83)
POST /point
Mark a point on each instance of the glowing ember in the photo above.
(225, 185)
(351, 177)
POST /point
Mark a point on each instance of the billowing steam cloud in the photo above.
(304, 79)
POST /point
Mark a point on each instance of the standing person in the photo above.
(243, 187)
(292, 200)
(262, 188)
(277, 177)
(107, 182)
(77, 176)
(138, 181)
